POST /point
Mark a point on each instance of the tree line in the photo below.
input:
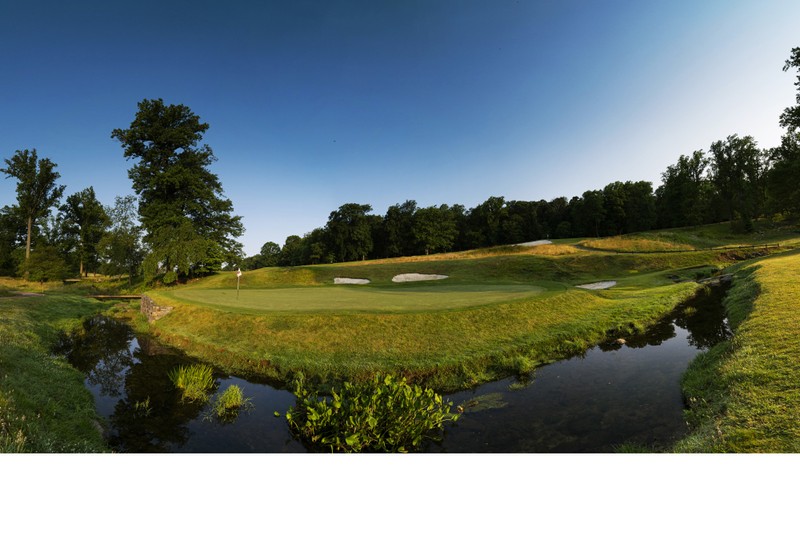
(178, 223)
(733, 181)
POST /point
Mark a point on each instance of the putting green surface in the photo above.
(344, 298)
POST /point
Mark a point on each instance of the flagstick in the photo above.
(238, 278)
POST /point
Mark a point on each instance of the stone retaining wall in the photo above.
(152, 310)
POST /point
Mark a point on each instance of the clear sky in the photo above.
(313, 104)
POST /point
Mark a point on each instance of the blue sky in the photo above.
(316, 104)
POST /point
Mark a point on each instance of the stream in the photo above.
(613, 397)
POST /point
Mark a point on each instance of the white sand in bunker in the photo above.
(598, 285)
(349, 281)
(403, 278)
(535, 243)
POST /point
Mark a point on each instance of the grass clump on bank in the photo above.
(382, 414)
(194, 381)
(744, 394)
(44, 406)
(228, 404)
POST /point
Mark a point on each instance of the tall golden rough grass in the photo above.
(634, 244)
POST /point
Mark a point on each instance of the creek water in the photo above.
(613, 395)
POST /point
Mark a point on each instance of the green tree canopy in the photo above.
(85, 219)
(37, 191)
(121, 247)
(790, 118)
(783, 179)
(736, 167)
(397, 224)
(435, 229)
(350, 232)
(188, 222)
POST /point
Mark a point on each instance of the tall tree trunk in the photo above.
(28, 239)
(28, 248)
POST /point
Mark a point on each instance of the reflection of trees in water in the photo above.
(167, 423)
(120, 367)
(703, 316)
(103, 353)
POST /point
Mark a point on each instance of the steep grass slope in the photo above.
(744, 395)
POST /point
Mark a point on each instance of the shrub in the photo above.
(193, 381)
(380, 415)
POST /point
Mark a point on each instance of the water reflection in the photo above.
(614, 395)
(128, 378)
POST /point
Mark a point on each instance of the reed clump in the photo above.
(194, 381)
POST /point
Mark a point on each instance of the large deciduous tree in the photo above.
(682, 197)
(783, 179)
(350, 232)
(434, 229)
(85, 219)
(790, 118)
(398, 224)
(189, 224)
(12, 236)
(736, 169)
(37, 191)
(121, 247)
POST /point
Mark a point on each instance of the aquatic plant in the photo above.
(230, 402)
(194, 381)
(383, 414)
(142, 408)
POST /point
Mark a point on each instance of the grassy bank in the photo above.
(44, 406)
(494, 316)
(744, 394)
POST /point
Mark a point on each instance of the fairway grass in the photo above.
(357, 299)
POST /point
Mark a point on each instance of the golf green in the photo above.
(341, 298)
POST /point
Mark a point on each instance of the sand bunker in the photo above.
(535, 243)
(598, 285)
(349, 281)
(402, 278)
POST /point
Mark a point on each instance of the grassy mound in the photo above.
(501, 311)
(495, 314)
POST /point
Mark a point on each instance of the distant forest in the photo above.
(734, 181)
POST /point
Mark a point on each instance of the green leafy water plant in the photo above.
(229, 403)
(142, 408)
(194, 381)
(383, 414)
